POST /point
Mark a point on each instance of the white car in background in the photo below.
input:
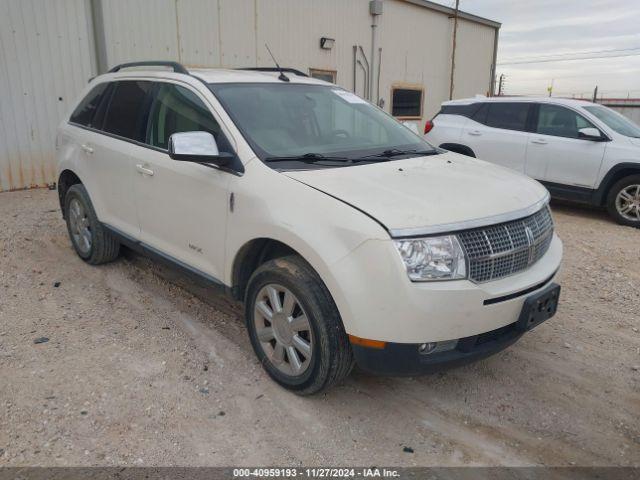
(579, 150)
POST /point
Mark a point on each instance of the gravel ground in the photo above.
(142, 368)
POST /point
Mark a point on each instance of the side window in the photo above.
(177, 109)
(469, 110)
(480, 115)
(126, 115)
(560, 121)
(406, 103)
(84, 112)
(507, 115)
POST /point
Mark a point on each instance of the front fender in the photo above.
(323, 230)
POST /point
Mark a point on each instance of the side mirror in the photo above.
(590, 133)
(199, 147)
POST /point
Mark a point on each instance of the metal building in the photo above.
(396, 53)
(629, 107)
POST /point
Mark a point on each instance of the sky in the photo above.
(553, 29)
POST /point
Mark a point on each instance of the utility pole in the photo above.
(550, 87)
(501, 85)
(453, 49)
(595, 94)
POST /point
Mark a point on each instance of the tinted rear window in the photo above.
(128, 110)
(84, 112)
(510, 116)
(464, 110)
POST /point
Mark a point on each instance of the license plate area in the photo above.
(539, 307)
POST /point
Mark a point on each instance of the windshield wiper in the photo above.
(307, 157)
(395, 152)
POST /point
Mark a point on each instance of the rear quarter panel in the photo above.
(446, 129)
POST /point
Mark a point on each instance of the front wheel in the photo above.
(623, 201)
(295, 328)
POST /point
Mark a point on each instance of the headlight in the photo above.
(432, 258)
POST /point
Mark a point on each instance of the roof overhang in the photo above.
(451, 11)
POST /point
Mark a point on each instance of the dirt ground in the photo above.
(141, 370)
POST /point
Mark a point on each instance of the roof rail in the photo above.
(274, 69)
(177, 67)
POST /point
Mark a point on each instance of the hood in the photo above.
(635, 141)
(430, 194)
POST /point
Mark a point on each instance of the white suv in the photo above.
(347, 236)
(579, 150)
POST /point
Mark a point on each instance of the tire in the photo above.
(616, 203)
(331, 358)
(83, 224)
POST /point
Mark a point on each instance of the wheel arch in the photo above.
(66, 179)
(250, 256)
(617, 173)
(459, 148)
(257, 251)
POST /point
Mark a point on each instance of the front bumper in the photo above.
(404, 359)
(410, 359)
(377, 301)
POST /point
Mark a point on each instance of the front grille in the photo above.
(501, 250)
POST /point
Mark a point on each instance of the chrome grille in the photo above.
(501, 250)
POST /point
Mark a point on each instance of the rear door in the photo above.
(115, 139)
(497, 133)
(182, 205)
(557, 154)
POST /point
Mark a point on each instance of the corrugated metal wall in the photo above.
(233, 33)
(47, 54)
(45, 60)
(416, 41)
(474, 57)
(416, 50)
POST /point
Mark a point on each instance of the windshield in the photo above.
(323, 123)
(615, 121)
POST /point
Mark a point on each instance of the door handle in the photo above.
(87, 148)
(539, 141)
(475, 133)
(144, 170)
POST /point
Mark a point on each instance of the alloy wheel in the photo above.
(80, 226)
(628, 203)
(283, 329)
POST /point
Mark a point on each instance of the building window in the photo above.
(406, 102)
(326, 75)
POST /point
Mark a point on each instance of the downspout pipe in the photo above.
(99, 39)
(367, 92)
(375, 9)
(355, 59)
(366, 78)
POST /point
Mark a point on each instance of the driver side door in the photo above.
(182, 206)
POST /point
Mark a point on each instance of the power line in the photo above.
(519, 79)
(551, 55)
(570, 59)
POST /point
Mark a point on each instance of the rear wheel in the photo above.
(295, 328)
(623, 201)
(90, 240)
